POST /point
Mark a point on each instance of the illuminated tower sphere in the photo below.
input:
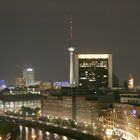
(28, 75)
(71, 50)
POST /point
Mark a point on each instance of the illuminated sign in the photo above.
(93, 56)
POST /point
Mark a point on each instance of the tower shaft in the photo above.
(71, 70)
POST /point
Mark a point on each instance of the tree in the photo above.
(26, 110)
(37, 111)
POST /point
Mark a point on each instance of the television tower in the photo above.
(71, 50)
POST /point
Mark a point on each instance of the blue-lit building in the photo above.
(61, 84)
(3, 84)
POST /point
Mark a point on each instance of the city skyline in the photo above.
(38, 34)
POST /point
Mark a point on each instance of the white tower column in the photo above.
(71, 50)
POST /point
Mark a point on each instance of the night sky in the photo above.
(36, 32)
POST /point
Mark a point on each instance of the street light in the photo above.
(0, 138)
(33, 136)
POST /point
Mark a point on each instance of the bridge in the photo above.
(52, 128)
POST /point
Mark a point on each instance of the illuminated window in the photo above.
(83, 78)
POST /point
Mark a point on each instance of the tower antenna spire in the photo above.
(71, 30)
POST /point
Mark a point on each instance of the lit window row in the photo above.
(94, 64)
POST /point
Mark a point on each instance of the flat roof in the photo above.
(93, 56)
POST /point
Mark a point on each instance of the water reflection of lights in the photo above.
(33, 134)
(32, 131)
(64, 138)
(20, 128)
(47, 135)
(26, 133)
(40, 135)
(56, 136)
(33, 137)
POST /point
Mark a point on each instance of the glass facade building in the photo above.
(28, 75)
(93, 70)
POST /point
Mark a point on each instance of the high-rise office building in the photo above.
(28, 75)
(93, 70)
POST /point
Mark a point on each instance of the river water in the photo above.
(32, 134)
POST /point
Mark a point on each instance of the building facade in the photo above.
(123, 121)
(93, 70)
(84, 112)
(15, 102)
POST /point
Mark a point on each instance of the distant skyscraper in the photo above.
(28, 75)
(20, 82)
(93, 70)
(130, 82)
